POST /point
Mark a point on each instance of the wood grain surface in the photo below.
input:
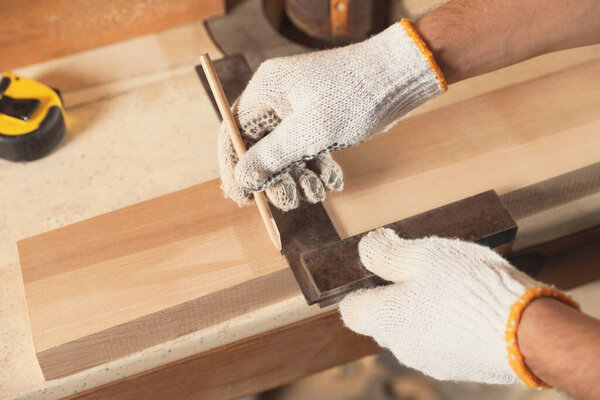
(38, 30)
(86, 281)
(503, 140)
(249, 366)
(135, 277)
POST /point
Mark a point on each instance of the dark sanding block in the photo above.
(327, 267)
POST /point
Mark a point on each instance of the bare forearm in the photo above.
(561, 346)
(469, 38)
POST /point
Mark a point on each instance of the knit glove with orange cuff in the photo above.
(300, 108)
(452, 311)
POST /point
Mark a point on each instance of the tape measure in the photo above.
(31, 118)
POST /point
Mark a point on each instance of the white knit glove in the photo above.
(447, 310)
(297, 108)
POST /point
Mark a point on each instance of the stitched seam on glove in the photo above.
(412, 33)
(515, 358)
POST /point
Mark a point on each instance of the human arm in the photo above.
(459, 311)
(561, 346)
(296, 110)
(469, 38)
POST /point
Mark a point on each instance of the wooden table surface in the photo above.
(147, 87)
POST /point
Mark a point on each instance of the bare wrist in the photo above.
(448, 42)
(434, 38)
(560, 346)
(535, 320)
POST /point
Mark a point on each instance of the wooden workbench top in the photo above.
(114, 95)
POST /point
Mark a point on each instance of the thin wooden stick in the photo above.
(238, 144)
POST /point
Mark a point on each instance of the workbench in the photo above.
(147, 87)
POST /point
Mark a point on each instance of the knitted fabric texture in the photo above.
(447, 310)
(300, 107)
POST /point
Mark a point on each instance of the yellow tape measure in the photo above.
(31, 118)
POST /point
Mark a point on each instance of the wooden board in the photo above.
(135, 277)
(104, 287)
(38, 30)
(503, 140)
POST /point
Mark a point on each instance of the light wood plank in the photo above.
(109, 274)
(164, 325)
(145, 274)
(504, 140)
(154, 255)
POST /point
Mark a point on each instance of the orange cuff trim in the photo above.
(412, 33)
(515, 358)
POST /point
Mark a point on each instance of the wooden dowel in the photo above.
(238, 144)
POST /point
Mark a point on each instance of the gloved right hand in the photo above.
(452, 311)
(297, 109)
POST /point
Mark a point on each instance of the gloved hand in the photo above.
(300, 108)
(452, 311)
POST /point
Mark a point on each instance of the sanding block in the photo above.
(328, 267)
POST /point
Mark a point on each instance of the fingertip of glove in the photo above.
(378, 241)
(379, 253)
(284, 194)
(333, 181)
(309, 185)
(380, 235)
(329, 172)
